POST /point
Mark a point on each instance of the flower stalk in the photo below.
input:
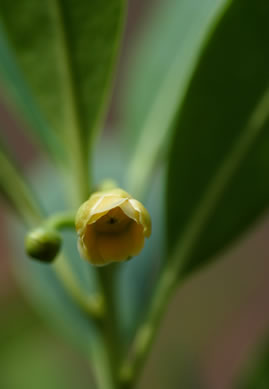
(132, 366)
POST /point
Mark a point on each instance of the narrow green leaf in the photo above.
(15, 189)
(217, 174)
(159, 71)
(66, 50)
(17, 94)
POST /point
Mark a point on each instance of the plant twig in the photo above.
(61, 220)
(107, 276)
(131, 368)
(101, 363)
(92, 305)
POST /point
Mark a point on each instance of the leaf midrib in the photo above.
(74, 126)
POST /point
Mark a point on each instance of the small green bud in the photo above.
(43, 244)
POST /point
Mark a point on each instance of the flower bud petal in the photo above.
(144, 216)
(111, 227)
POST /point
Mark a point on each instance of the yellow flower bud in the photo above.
(111, 227)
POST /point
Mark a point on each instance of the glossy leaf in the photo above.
(66, 50)
(159, 69)
(218, 170)
(18, 96)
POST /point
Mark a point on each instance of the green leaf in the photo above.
(158, 73)
(15, 189)
(17, 94)
(67, 52)
(218, 169)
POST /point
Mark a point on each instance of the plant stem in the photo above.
(101, 363)
(146, 333)
(92, 305)
(61, 220)
(28, 208)
(107, 276)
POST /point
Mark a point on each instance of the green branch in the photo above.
(107, 277)
(91, 305)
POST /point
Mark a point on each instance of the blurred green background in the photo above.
(214, 323)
